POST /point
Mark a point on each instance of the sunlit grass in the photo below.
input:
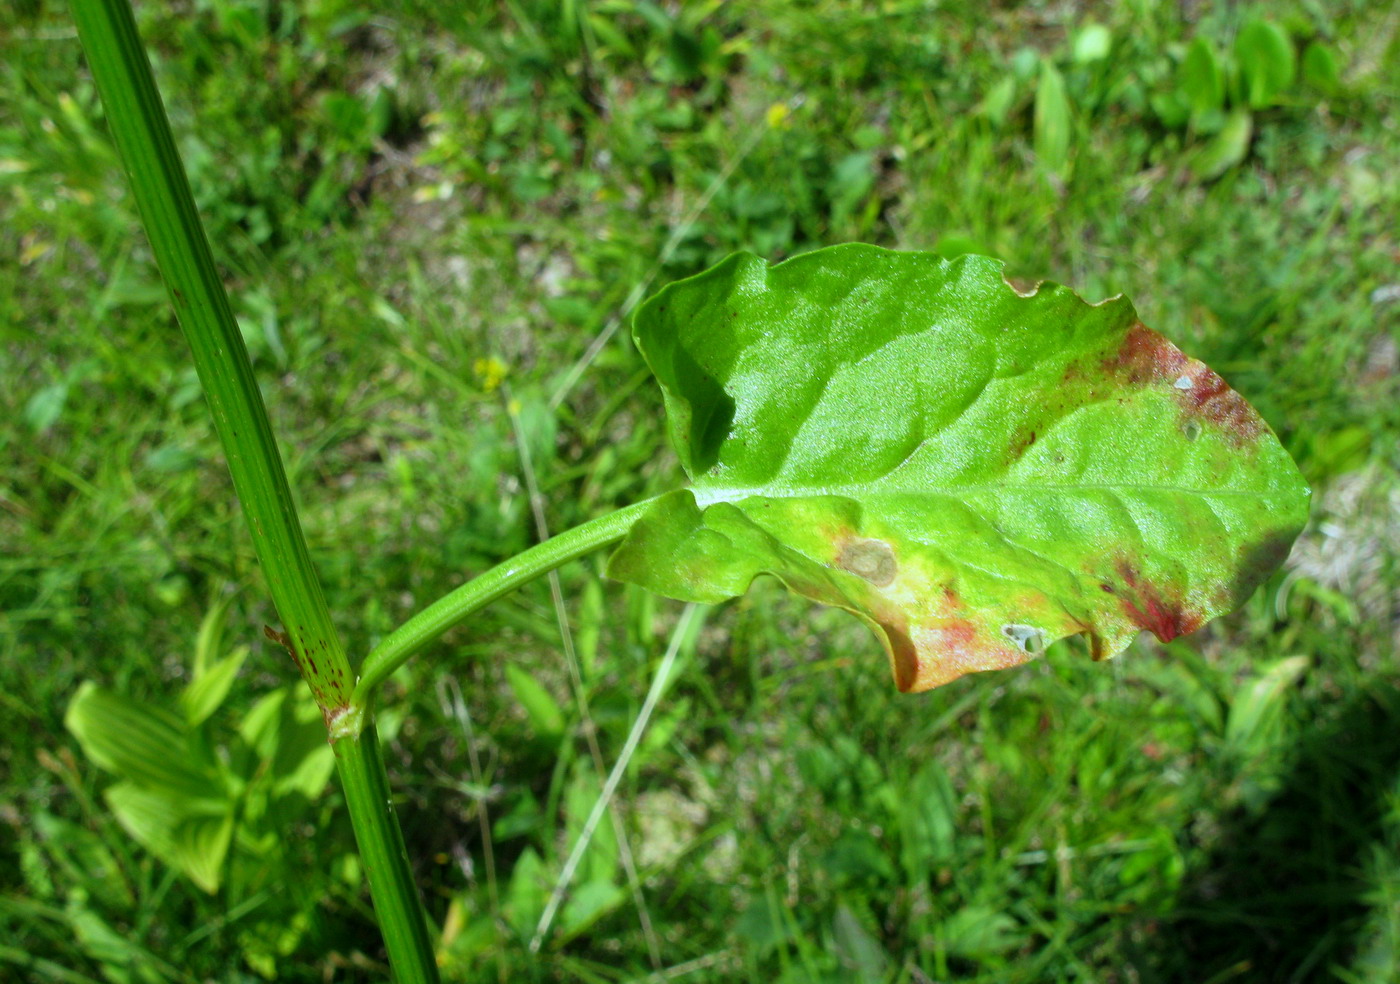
(498, 192)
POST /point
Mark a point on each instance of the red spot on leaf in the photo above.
(1211, 397)
(1145, 358)
(1149, 608)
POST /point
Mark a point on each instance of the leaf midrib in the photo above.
(709, 495)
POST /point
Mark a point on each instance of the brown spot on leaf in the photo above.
(940, 644)
(1020, 444)
(1023, 286)
(904, 656)
(869, 559)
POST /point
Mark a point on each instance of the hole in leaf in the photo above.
(1192, 430)
(1026, 638)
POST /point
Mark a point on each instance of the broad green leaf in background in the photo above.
(527, 893)
(1202, 78)
(1092, 43)
(208, 689)
(996, 105)
(587, 904)
(1266, 60)
(141, 742)
(973, 471)
(209, 643)
(286, 732)
(1226, 149)
(1258, 704)
(1321, 70)
(191, 836)
(857, 948)
(85, 860)
(979, 932)
(200, 846)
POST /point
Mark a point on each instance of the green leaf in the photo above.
(1226, 149)
(200, 846)
(996, 105)
(1266, 60)
(972, 471)
(285, 732)
(1258, 705)
(1092, 43)
(208, 689)
(1052, 119)
(1202, 78)
(588, 903)
(546, 716)
(211, 636)
(857, 948)
(980, 932)
(1321, 70)
(927, 820)
(45, 407)
(192, 836)
(857, 857)
(601, 860)
(527, 893)
(85, 861)
(1172, 108)
(145, 744)
(122, 960)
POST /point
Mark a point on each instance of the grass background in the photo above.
(430, 218)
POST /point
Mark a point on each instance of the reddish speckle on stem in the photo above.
(285, 641)
(1149, 608)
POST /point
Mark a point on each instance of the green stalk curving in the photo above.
(453, 608)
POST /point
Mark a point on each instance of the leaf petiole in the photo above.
(451, 609)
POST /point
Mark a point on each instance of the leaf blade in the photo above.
(973, 471)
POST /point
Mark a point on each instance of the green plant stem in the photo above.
(451, 609)
(142, 134)
(361, 767)
(139, 126)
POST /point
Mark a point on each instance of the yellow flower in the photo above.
(490, 372)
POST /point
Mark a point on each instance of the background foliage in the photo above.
(430, 219)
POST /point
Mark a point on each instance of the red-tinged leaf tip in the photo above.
(1146, 358)
(955, 648)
